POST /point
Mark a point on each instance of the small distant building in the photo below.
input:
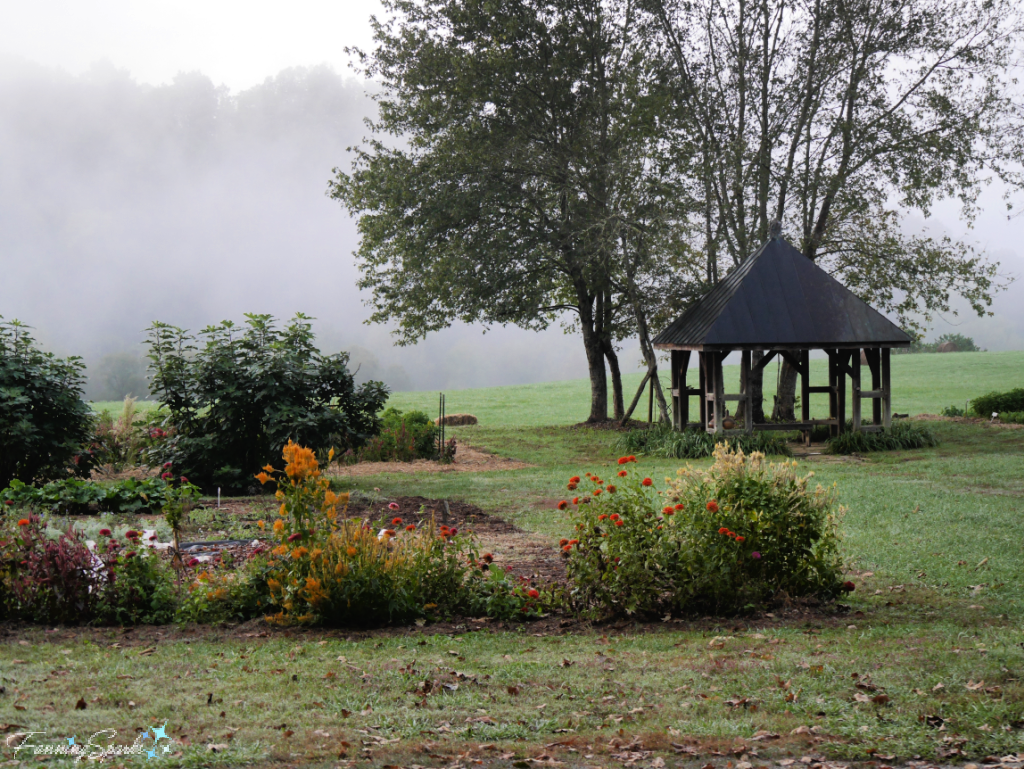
(781, 302)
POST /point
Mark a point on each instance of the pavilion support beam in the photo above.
(748, 401)
(855, 391)
(886, 390)
(680, 396)
(702, 403)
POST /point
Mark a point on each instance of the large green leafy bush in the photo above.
(404, 436)
(44, 423)
(997, 403)
(237, 395)
(722, 539)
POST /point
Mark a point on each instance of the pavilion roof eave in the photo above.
(778, 346)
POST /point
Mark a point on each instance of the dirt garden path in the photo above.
(468, 459)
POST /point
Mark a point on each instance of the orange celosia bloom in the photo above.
(262, 478)
(315, 553)
(278, 526)
(283, 511)
(269, 468)
(280, 550)
(261, 524)
(298, 552)
(301, 461)
(351, 551)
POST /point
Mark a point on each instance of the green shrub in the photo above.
(403, 437)
(951, 411)
(1012, 417)
(45, 426)
(963, 344)
(137, 589)
(996, 403)
(74, 496)
(661, 440)
(903, 435)
(226, 595)
(236, 396)
(724, 539)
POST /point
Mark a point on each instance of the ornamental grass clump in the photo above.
(723, 539)
(333, 570)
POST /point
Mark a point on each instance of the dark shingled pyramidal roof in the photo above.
(780, 298)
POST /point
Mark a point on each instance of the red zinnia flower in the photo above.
(611, 489)
(571, 487)
(680, 507)
(631, 458)
(165, 476)
(619, 523)
(623, 460)
(130, 554)
(623, 473)
(566, 548)
(8, 501)
(184, 479)
(106, 533)
(167, 465)
(601, 517)
(723, 530)
(740, 539)
(563, 542)
(563, 505)
(574, 479)
(454, 531)
(712, 506)
(647, 482)
(849, 587)
(131, 534)
(396, 521)
(575, 500)
(194, 562)
(411, 527)
(597, 492)
(574, 541)
(23, 522)
(615, 516)
(294, 537)
(668, 510)
(533, 593)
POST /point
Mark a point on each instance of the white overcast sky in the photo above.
(235, 43)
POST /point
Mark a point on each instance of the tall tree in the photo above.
(489, 190)
(836, 117)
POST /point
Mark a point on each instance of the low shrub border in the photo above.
(74, 496)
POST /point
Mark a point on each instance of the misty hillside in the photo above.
(123, 203)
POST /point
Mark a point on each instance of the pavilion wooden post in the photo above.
(805, 391)
(748, 401)
(874, 356)
(702, 376)
(719, 402)
(886, 391)
(680, 392)
(855, 391)
(841, 367)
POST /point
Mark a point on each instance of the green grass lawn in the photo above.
(932, 638)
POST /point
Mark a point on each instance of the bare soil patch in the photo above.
(467, 460)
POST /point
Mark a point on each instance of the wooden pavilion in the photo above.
(781, 302)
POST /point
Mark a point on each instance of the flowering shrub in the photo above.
(722, 539)
(403, 437)
(45, 580)
(226, 595)
(136, 587)
(329, 569)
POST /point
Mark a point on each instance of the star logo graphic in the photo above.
(150, 754)
(159, 733)
(71, 740)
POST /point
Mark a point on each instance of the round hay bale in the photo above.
(457, 419)
(948, 346)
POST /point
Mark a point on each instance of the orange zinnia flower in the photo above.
(563, 505)
(712, 506)
(575, 500)
(601, 517)
(23, 522)
(597, 492)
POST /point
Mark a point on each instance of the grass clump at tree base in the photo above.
(662, 440)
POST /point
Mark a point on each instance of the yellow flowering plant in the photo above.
(328, 568)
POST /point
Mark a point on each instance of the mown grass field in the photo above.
(933, 634)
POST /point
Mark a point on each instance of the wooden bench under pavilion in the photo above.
(781, 302)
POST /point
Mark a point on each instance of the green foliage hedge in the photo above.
(662, 441)
(997, 403)
(402, 438)
(236, 396)
(45, 426)
(74, 496)
(903, 435)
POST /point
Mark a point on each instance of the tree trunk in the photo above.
(756, 384)
(785, 398)
(613, 366)
(598, 376)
